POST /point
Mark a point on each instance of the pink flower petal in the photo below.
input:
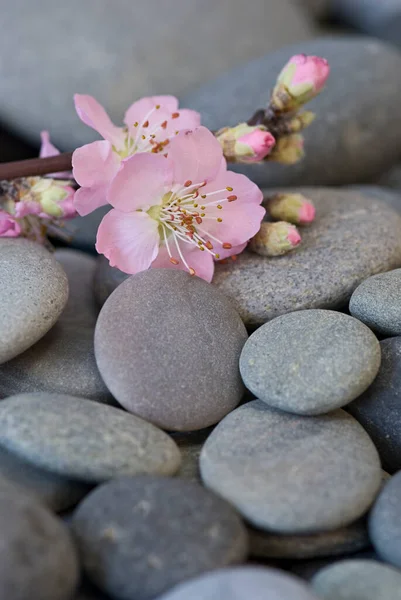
(47, 149)
(129, 241)
(8, 225)
(93, 114)
(88, 199)
(201, 262)
(227, 252)
(196, 155)
(95, 163)
(139, 110)
(141, 182)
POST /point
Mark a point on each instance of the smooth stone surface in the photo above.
(392, 178)
(358, 580)
(347, 142)
(353, 237)
(190, 445)
(288, 474)
(378, 410)
(377, 303)
(37, 556)
(310, 362)
(379, 18)
(385, 522)
(165, 313)
(83, 230)
(144, 38)
(84, 440)
(33, 293)
(391, 196)
(140, 536)
(242, 583)
(106, 280)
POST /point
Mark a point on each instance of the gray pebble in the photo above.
(106, 280)
(33, 293)
(140, 536)
(358, 580)
(167, 346)
(310, 362)
(385, 522)
(289, 474)
(84, 440)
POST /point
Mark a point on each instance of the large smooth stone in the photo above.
(356, 133)
(37, 556)
(385, 522)
(358, 580)
(106, 280)
(392, 197)
(332, 358)
(33, 293)
(379, 18)
(169, 47)
(290, 474)
(140, 536)
(84, 440)
(353, 237)
(242, 583)
(378, 410)
(167, 346)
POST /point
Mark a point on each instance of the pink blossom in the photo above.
(259, 143)
(303, 78)
(245, 143)
(150, 124)
(47, 149)
(9, 227)
(179, 212)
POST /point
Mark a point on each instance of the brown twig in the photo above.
(36, 166)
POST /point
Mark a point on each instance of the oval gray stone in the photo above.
(33, 293)
(37, 556)
(140, 536)
(84, 440)
(242, 583)
(290, 474)
(310, 362)
(167, 346)
(106, 279)
(346, 143)
(377, 302)
(354, 236)
(358, 580)
(385, 522)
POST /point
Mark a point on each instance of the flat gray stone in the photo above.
(310, 362)
(165, 313)
(84, 440)
(33, 293)
(242, 583)
(347, 143)
(353, 237)
(377, 302)
(378, 410)
(358, 580)
(37, 556)
(289, 474)
(140, 536)
(392, 197)
(385, 522)
(106, 279)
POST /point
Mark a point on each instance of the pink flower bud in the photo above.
(8, 225)
(275, 239)
(302, 78)
(294, 208)
(245, 143)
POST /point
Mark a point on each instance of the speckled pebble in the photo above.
(290, 474)
(385, 522)
(84, 440)
(310, 362)
(140, 536)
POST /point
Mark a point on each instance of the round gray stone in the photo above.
(310, 362)
(33, 293)
(290, 474)
(358, 580)
(242, 583)
(167, 346)
(106, 279)
(37, 556)
(392, 197)
(378, 410)
(140, 536)
(354, 237)
(347, 142)
(377, 302)
(84, 440)
(385, 522)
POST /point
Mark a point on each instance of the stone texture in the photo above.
(292, 475)
(377, 303)
(138, 48)
(33, 292)
(318, 8)
(385, 522)
(140, 536)
(331, 359)
(83, 230)
(392, 197)
(194, 327)
(347, 142)
(84, 440)
(358, 580)
(37, 557)
(106, 280)
(378, 410)
(354, 237)
(381, 19)
(392, 178)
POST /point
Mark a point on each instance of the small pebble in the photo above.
(385, 522)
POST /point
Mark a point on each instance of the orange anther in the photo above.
(231, 198)
(174, 261)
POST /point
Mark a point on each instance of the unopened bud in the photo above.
(301, 121)
(245, 143)
(294, 208)
(289, 149)
(275, 239)
(55, 197)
